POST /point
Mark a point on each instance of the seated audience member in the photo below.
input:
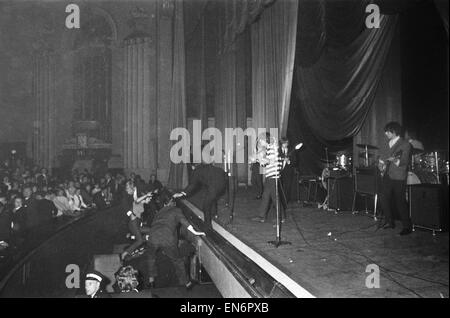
(46, 208)
(98, 198)
(5, 186)
(18, 221)
(31, 208)
(42, 179)
(154, 184)
(85, 193)
(62, 204)
(75, 200)
(94, 285)
(5, 220)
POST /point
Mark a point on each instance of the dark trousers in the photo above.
(210, 206)
(288, 180)
(170, 249)
(394, 190)
(257, 179)
(134, 226)
(269, 198)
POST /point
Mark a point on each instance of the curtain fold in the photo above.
(273, 52)
(177, 172)
(336, 92)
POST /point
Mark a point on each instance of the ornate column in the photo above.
(138, 118)
(44, 148)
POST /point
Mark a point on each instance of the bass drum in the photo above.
(421, 177)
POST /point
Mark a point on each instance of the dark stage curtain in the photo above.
(338, 67)
(442, 7)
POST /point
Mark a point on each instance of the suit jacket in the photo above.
(19, 220)
(403, 148)
(164, 229)
(209, 177)
(32, 212)
(47, 210)
(154, 185)
(5, 223)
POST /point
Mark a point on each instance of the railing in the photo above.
(38, 267)
(236, 269)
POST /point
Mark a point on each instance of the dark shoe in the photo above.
(405, 232)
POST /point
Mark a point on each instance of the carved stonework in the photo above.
(139, 20)
(167, 8)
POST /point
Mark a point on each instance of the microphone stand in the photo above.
(278, 241)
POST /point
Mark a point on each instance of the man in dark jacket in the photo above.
(46, 208)
(163, 235)
(395, 171)
(31, 207)
(212, 181)
(5, 220)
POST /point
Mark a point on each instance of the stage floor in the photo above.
(331, 251)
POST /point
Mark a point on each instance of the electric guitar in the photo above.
(383, 164)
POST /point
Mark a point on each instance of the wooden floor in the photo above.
(331, 251)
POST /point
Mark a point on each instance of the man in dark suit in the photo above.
(5, 219)
(46, 208)
(212, 181)
(287, 173)
(163, 235)
(31, 207)
(18, 221)
(154, 184)
(42, 179)
(394, 181)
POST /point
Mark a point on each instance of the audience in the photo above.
(31, 196)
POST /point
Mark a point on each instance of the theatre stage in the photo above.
(330, 251)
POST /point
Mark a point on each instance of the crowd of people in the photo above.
(31, 197)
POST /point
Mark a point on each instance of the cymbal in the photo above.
(368, 146)
(416, 151)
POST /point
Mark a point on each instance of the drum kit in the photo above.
(426, 167)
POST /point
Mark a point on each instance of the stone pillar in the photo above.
(139, 156)
(165, 11)
(44, 150)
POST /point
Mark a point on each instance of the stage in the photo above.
(330, 251)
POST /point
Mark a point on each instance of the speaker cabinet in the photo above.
(428, 206)
(340, 193)
(367, 180)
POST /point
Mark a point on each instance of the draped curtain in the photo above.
(339, 66)
(177, 172)
(336, 92)
(273, 52)
(442, 7)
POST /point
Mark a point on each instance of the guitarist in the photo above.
(394, 179)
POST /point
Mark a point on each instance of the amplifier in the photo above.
(367, 180)
(428, 206)
(340, 193)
